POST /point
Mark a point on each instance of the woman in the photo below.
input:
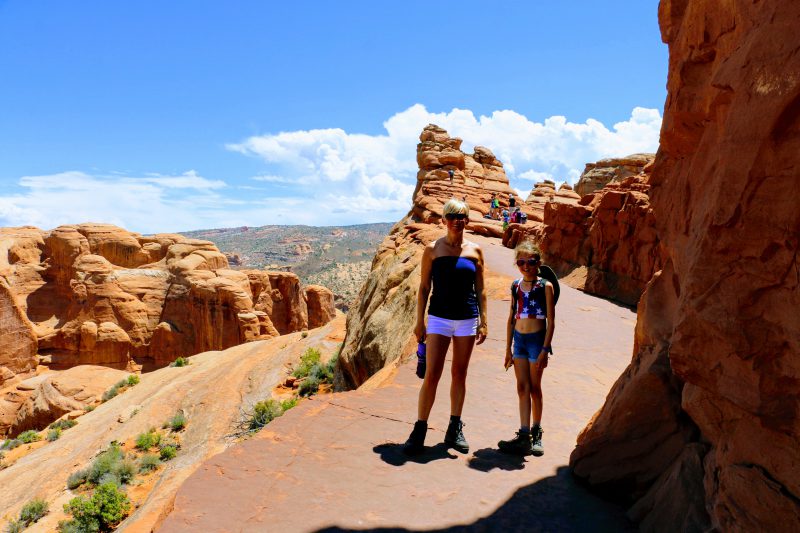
(458, 312)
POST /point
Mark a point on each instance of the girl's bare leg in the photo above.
(522, 370)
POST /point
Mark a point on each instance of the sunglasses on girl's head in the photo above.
(529, 262)
(455, 216)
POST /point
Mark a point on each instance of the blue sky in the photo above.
(170, 116)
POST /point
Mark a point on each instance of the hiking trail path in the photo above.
(335, 461)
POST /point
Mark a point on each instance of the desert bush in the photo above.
(89, 408)
(63, 424)
(149, 462)
(180, 361)
(310, 358)
(10, 444)
(106, 508)
(111, 393)
(132, 380)
(76, 479)
(145, 441)
(304, 334)
(309, 386)
(168, 453)
(104, 463)
(264, 413)
(15, 526)
(53, 434)
(288, 404)
(32, 511)
(177, 422)
(125, 470)
(27, 437)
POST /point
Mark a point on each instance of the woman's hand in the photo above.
(419, 331)
(483, 331)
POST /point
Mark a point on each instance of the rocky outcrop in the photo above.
(597, 175)
(380, 325)
(700, 433)
(97, 294)
(609, 237)
(320, 303)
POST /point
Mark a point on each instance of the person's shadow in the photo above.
(488, 459)
(392, 453)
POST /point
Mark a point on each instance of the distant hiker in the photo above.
(506, 218)
(451, 175)
(494, 205)
(531, 322)
(511, 201)
(457, 312)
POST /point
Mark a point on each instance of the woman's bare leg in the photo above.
(462, 351)
(435, 355)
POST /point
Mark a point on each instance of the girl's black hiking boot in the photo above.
(415, 444)
(519, 445)
(454, 437)
(536, 445)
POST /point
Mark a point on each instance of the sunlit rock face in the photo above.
(701, 431)
(97, 294)
(612, 170)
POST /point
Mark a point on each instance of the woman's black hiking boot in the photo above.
(415, 444)
(519, 445)
(536, 445)
(454, 437)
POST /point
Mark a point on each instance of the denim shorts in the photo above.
(452, 328)
(528, 345)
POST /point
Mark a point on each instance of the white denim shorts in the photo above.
(452, 328)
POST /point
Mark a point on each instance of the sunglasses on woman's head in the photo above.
(530, 262)
(455, 216)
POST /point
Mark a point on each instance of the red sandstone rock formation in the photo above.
(597, 175)
(319, 301)
(379, 326)
(701, 431)
(610, 235)
(97, 294)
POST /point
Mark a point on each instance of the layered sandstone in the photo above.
(97, 294)
(700, 433)
(597, 175)
(380, 326)
(608, 240)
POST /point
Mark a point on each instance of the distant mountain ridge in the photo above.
(337, 257)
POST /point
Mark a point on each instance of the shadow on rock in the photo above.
(489, 458)
(392, 453)
(556, 503)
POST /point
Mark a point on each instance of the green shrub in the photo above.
(309, 386)
(32, 511)
(288, 404)
(111, 393)
(107, 507)
(149, 462)
(15, 526)
(145, 441)
(168, 453)
(304, 334)
(63, 424)
(10, 444)
(53, 434)
(27, 437)
(89, 408)
(264, 413)
(180, 361)
(177, 422)
(125, 470)
(132, 380)
(106, 462)
(307, 361)
(110, 477)
(76, 479)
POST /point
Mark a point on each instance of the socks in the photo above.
(524, 429)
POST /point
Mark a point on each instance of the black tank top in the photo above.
(454, 296)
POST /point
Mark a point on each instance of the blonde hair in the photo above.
(455, 206)
(528, 248)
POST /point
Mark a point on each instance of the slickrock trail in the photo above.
(335, 461)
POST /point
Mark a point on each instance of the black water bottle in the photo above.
(421, 359)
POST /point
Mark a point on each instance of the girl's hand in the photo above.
(508, 362)
(419, 331)
(483, 331)
(543, 357)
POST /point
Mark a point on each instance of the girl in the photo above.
(530, 325)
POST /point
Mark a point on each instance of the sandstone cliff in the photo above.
(97, 294)
(597, 175)
(701, 431)
(379, 327)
